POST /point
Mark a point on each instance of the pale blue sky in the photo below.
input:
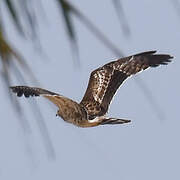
(147, 148)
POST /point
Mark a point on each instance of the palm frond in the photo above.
(122, 18)
(94, 29)
(8, 57)
(14, 14)
(67, 13)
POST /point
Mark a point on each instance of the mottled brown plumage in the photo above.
(102, 86)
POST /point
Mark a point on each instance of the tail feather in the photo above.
(114, 121)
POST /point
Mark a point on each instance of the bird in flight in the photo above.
(102, 86)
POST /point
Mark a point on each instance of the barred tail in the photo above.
(114, 121)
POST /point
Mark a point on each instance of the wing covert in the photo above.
(105, 81)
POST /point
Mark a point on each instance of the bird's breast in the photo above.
(72, 112)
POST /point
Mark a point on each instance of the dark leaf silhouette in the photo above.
(8, 58)
(14, 15)
(66, 12)
(122, 18)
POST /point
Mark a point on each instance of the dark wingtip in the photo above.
(157, 59)
(13, 88)
(23, 90)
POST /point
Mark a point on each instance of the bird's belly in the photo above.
(77, 119)
(72, 115)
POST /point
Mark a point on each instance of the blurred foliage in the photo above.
(24, 8)
(122, 18)
(13, 12)
(12, 60)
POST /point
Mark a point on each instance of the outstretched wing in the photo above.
(105, 81)
(34, 91)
